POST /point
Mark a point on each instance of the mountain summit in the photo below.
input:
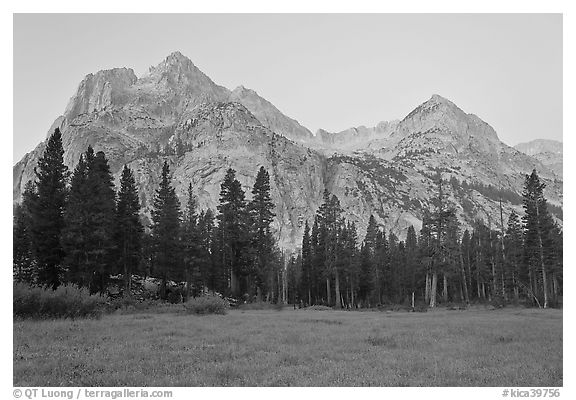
(176, 113)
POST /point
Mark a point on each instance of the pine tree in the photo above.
(23, 262)
(129, 229)
(426, 250)
(371, 233)
(411, 259)
(381, 262)
(261, 216)
(330, 222)
(206, 233)
(317, 261)
(233, 230)
(350, 263)
(166, 231)
(102, 208)
(538, 228)
(191, 245)
(48, 211)
(365, 278)
(466, 253)
(514, 252)
(307, 265)
(76, 234)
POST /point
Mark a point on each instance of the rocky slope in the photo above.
(548, 152)
(175, 112)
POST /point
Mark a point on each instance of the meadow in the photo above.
(475, 347)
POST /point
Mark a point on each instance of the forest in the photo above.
(75, 227)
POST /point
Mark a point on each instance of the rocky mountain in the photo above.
(175, 112)
(270, 116)
(548, 152)
(353, 139)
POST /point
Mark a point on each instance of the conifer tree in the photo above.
(330, 222)
(48, 211)
(76, 234)
(23, 262)
(538, 228)
(129, 228)
(233, 230)
(514, 253)
(191, 245)
(102, 208)
(317, 257)
(166, 231)
(365, 278)
(465, 251)
(261, 216)
(206, 233)
(307, 274)
(411, 259)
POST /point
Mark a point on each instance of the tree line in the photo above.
(517, 262)
(76, 228)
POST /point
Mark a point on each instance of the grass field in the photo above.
(506, 347)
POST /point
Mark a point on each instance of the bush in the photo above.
(67, 301)
(207, 304)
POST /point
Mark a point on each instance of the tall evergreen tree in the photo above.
(206, 233)
(23, 262)
(234, 233)
(191, 245)
(330, 222)
(48, 211)
(77, 231)
(129, 228)
(166, 231)
(538, 227)
(514, 253)
(366, 276)
(102, 209)
(307, 265)
(411, 258)
(261, 215)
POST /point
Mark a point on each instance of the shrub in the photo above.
(67, 301)
(207, 304)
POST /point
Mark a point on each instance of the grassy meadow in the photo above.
(476, 347)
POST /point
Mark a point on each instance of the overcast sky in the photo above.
(327, 71)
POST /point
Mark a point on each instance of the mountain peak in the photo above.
(437, 99)
(241, 89)
(174, 60)
(177, 57)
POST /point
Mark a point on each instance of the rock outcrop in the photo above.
(548, 152)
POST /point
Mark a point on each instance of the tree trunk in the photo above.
(555, 287)
(433, 289)
(187, 284)
(445, 289)
(427, 292)
(328, 291)
(337, 289)
(464, 281)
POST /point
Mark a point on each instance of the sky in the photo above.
(329, 71)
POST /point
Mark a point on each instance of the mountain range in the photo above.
(175, 112)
